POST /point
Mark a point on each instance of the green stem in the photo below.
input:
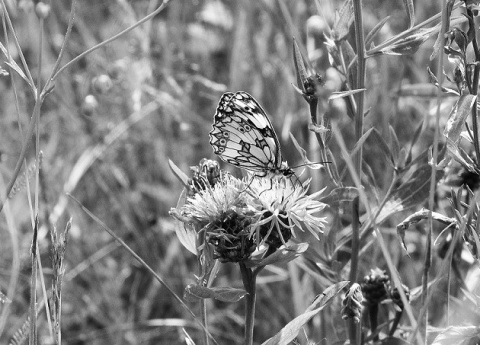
(355, 240)
(359, 97)
(372, 314)
(249, 279)
(33, 288)
(476, 73)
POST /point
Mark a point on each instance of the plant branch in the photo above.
(113, 38)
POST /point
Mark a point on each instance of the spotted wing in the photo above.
(243, 135)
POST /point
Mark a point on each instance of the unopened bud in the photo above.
(42, 10)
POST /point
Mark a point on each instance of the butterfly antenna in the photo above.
(308, 164)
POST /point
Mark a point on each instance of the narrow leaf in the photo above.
(371, 35)
(410, 12)
(185, 232)
(382, 145)
(394, 143)
(341, 94)
(407, 45)
(411, 193)
(459, 154)
(224, 294)
(178, 173)
(343, 20)
(422, 215)
(291, 330)
(188, 338)
(458, 116)
(300, 69)
(361, 141)
(447, 12)
(339, 195)
(282, 255)
(434, 81)
(13, 65)
(458, 335)
(416, 135)
(303, 153)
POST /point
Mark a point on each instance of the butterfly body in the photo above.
(243, 136)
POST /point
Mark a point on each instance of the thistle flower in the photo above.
(222, 215)
(282, 205)
(237, 216)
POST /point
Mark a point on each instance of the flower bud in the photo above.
(102, 84)
(352, 303)
(89, 105)
(42, 10)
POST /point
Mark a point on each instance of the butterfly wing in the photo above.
(243, 135)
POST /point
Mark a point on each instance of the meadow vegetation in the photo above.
(106, 108)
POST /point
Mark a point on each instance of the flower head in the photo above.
(283, 205)
(236, 217)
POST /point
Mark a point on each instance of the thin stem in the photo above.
(249, 279)
(203, 302)
(355, 240)
(359, 98)
(142, 262)
(113, 38)
(33, 288)
(19, 49)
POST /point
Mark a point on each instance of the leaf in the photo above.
(407, 45)
(361, 141)
(456, 120)
(13, 65)
(299, 67)
(380, 142)
(291, 330)
(457, 335)
(410, 193)
(394, 143)
(416, 135)
(332, 291)
(447, 12)
(434, 81)
(459, 154)
(410, 12)
(188, 338)
(303, 153)
(422, 215)
(343, 20)
(282, 255)
(341, 94)
(185, 232)
(371, 35)
(340, 195)
(224, 294)
(178, 173)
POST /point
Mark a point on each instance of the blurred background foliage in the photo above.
(114, 119)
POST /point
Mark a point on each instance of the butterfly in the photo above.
(243, 136)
